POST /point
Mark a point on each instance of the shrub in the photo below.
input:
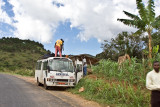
(25, 72)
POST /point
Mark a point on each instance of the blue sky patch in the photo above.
(57, 4)
(8, 8)
(72, 44)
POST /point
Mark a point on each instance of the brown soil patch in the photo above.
(94, 77)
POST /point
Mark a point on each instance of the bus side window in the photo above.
(45, 65)
(39, 65)
(79, 67)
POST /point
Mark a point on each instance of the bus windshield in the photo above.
(63, 65)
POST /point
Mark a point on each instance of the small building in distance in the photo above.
(91, 60)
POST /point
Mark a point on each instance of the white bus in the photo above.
(58, 71)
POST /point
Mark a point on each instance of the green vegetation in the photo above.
(19, 56)
(116, 87)
(145, 22)
(123, 43)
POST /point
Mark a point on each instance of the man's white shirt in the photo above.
(153, 80)
(84, 61)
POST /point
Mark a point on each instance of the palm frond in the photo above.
(142, 10)
(135, 17)
(134, 23)
(151, 13)
(156, 23)
(138, 32)
(128, 22)
(157, 18)
(141, 24)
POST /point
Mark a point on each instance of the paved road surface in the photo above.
(15, 92)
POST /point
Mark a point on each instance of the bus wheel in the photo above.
(38, 83)
(45, 85)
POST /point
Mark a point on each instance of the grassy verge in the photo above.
(23, 72)
(123, 87)
(113, 94)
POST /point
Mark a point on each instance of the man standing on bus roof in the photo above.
(59, 47)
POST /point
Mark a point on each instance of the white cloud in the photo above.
(38, 19)
(157, 7)
(3, 15)
(98, 18)
(27, 27)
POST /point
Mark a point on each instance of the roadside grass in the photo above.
(124, 87)
(23, 72)
(112, 94)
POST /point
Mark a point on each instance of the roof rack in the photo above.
(45, 56)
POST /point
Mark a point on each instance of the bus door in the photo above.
(44, 69)
(79, 70)
(39, 71)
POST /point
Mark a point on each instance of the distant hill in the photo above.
(19, 54)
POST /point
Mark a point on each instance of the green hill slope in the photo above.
(19, 54)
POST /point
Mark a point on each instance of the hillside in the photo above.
(18, 54)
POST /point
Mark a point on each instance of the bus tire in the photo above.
(38, 83)
(45, 85)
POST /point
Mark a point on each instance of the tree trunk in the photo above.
(150, 47)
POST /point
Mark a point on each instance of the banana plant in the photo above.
(155, 50)
(144, 22)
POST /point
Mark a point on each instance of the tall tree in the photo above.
(145, 22)
(122, 44)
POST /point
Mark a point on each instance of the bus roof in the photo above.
(54, 58)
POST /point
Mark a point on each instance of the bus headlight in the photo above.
(48, 79)
(53, 80)
(72, 80)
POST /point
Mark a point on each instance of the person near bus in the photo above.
(59, 47)
(84, 66)
(153, 84)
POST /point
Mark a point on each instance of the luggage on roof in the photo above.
(47, 56)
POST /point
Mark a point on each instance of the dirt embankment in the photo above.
(74, 100)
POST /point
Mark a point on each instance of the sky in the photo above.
(82, 24)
